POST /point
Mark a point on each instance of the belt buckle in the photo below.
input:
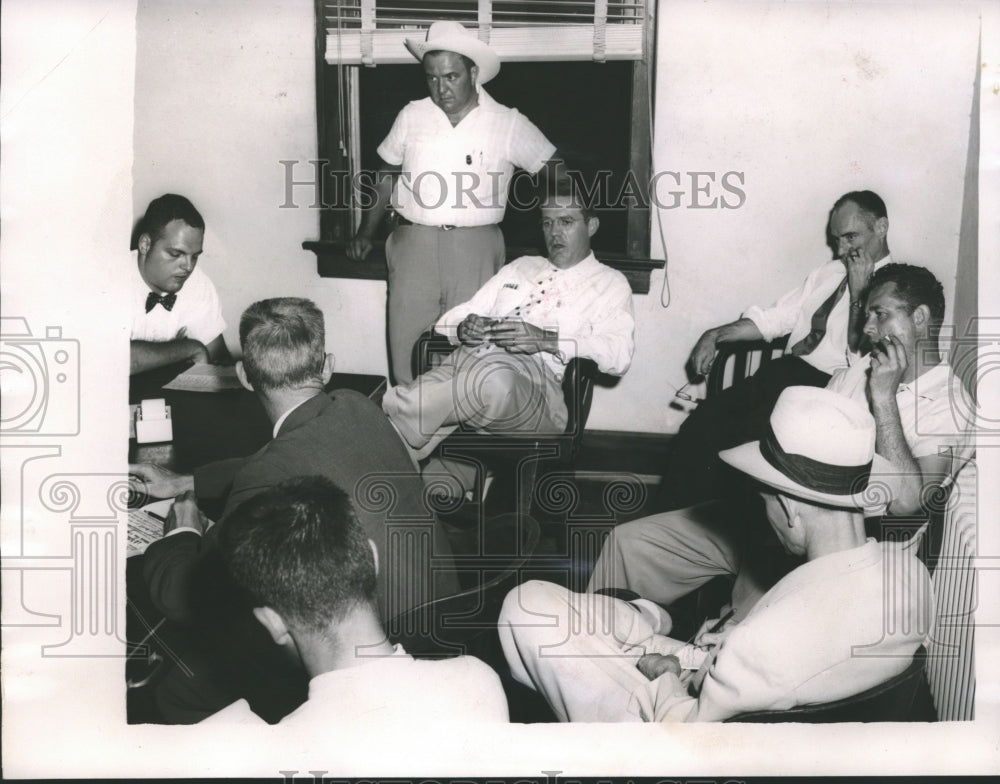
(448, 228)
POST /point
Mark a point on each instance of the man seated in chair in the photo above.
(341, 435)
(309, 570)
(822, 319)
(849, 618)
(909, 390)
(517, 334)
(176, 314)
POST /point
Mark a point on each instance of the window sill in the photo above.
(331, 262)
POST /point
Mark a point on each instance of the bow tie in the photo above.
(167, 300)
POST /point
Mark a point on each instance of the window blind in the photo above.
(372, 32)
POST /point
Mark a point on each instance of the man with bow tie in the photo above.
(176, 313)
(516, 335)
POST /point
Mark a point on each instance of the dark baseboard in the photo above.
(611, 450)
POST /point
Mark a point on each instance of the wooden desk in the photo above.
(209, 426)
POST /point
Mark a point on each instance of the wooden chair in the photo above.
(737, 361)
(901, 698)
(517, 458)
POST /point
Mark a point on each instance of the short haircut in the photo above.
(160, 212)
(869, 202)
(567, 191)
(298, 548)
(469, 62)
(284, 342)
(915, 286)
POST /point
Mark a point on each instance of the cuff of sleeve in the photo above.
(182, 529)
(767, 330)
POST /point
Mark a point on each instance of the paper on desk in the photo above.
(206, 378)
(144, 528)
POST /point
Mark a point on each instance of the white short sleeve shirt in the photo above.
(197, 311)
(459, 176)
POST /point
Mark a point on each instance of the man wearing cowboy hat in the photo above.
(454, 153)
(850, 617)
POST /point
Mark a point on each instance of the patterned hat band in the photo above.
(813, 474)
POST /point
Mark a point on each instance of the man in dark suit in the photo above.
(342, 436)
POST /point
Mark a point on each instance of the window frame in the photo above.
(337, 222)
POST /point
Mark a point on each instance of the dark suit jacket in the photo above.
(346, 438)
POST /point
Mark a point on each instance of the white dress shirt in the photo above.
(792, 315)
(590, 304)
(459, 175)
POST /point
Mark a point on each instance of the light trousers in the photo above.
(430, 272)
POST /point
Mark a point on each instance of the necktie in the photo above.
(154, 299)
(810, 341)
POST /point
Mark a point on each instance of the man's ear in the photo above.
(371, 544)
(593, 224)
(274, 624)
(882, 226)
(145, 241)
(791, 510)
(241, 374)
(328, 362)
(921, 317)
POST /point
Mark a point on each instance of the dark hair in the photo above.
(299, 549)
(568, 191)
(869, 202)
(915, 286)
(160, 212)
(283, 341)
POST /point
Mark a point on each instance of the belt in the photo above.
(407, 222)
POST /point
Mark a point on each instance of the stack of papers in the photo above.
(206, 378)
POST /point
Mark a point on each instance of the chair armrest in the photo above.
(429, 350)
(741, 354)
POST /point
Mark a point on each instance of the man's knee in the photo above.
(533, 608)
(502, 395)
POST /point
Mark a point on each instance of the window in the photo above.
(578, 70)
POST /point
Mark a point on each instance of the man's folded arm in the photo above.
(218, 353)
(146, 354)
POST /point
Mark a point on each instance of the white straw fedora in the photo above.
(820, 446)
(453, 37)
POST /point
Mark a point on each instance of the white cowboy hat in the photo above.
(453, 37)
(820, 447)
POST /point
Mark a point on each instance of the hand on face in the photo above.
(860, 267)
(888, 367)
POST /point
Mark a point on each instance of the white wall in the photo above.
(66, 102)
(808, 100)
(224, 91)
